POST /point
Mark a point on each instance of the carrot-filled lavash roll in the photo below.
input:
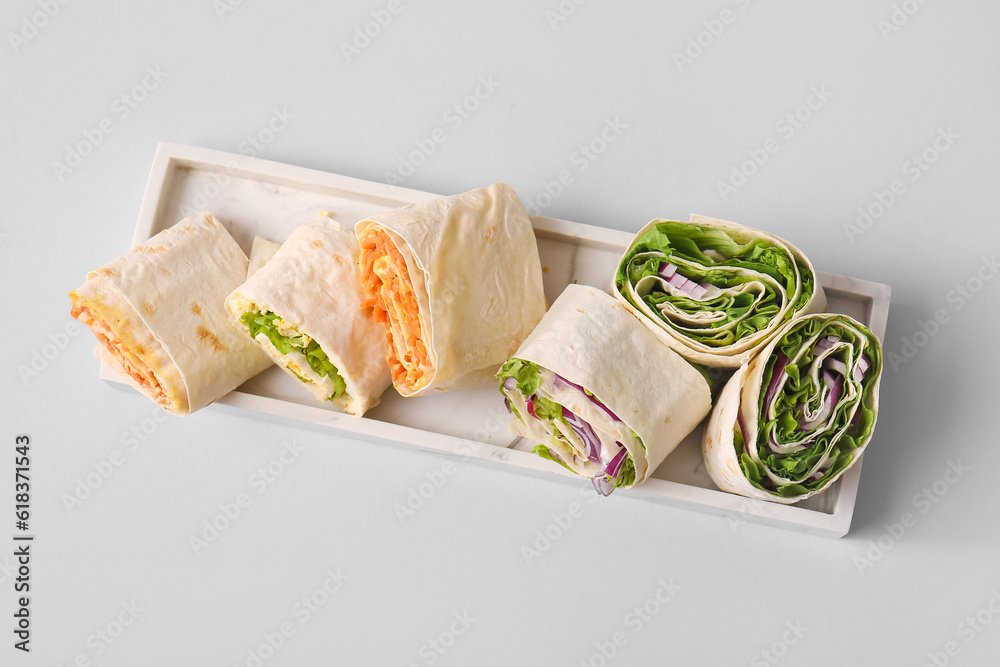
(457, 284)
(158, 312)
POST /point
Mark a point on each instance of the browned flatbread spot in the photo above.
(339, 260)
(165, 270)
(209, 338)
(187, 229)
(149, 250)
(210, 220)
(147, 307)
(316, 243)
(195, 308)
(107, 272)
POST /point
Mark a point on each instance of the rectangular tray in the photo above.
(255, 197)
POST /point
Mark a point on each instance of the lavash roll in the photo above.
(591, 369)
(715, 291)
(457, 284)
(310, 293)
(158, 312)
(790, 422)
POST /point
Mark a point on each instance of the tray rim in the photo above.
(837, 523)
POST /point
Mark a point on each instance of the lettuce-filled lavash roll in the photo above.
(303, 307)
(592, 389)
(713, 290)
(457, 284)
(158, 312)
(790, 422)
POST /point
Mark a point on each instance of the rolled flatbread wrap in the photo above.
(789, 423)
(715, 291)
(261, 253)
(158, 313)
(594, 390)
(303, 307)
(456, 283)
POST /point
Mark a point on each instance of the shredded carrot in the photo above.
(386, 289)
(129, 363)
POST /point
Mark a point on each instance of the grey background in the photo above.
(888, 593)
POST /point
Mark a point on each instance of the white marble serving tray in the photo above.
(258, 197)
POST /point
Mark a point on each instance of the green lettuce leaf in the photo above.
(671, 239)
(267, 323)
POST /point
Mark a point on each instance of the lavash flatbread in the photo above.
(470, 264)
(311, 284)
(158, 312)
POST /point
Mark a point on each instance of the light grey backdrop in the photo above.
(899, 91)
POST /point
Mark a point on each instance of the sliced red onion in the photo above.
(667, 269)
(561, 380)
(531, 407)
(603, 486)
(586, 433)
(861, 368)
(510, 384)
(506, 402)
(616, 463)
(678, 281)
(697, 291)
(743, 426)
(837, 383)
(779, 369)
(829, 341)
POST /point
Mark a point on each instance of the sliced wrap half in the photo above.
(715, 291)
(456, 283)
(303, 307)
(158, 313)
(592, 389)
(790, 422)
